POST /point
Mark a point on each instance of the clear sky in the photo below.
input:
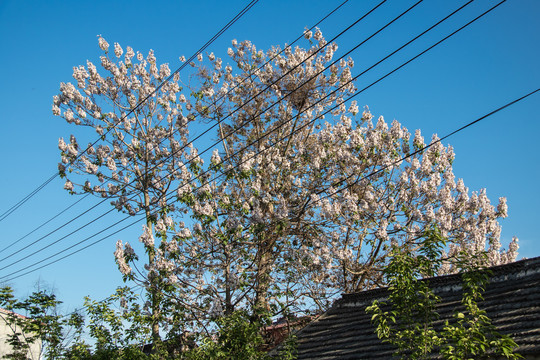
(488, 64)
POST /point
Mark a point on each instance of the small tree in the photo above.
(38, 330)
(118, 327)
(408, 321)
(473, 336)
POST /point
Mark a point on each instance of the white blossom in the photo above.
(147, 238)
(104, 45)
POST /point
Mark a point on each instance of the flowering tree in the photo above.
(302, 199)
(292, 210)
(134, 161)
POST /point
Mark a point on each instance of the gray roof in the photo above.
(511, 300)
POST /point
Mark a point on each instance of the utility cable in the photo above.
(55, 230)
(64, 237)
(365, 177)
(253, 97)
(208, 43)
(356, 93)
(200, 135)
(9, 211)
(72, 246)
(45, 223)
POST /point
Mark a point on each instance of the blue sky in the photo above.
(490, 63)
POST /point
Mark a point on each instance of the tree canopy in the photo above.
(302, 199)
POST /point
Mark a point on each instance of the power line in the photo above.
(335, 90)
(288, 72)
(396, 162)
(253, 97)
(201, 49)
(60, 239)
(45, 223)
(200, 135)
(9, 211)
(55, 230)
(71, 247)
(347, 98)
(355, 182)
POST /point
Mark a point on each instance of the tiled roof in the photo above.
(511, 300)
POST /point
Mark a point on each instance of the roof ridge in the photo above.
(499, 272)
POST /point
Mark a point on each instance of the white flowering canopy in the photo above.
(302, 198)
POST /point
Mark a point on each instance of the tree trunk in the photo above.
(262, 278)
(153, 282)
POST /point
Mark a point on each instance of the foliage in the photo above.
(238, 337)
(473, 336)
(405, 319)
(107, 333)
(288, 350)
(41, 332)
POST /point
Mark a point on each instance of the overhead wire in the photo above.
(396, 162)
(339, 190)
(12, 209)
(438, 43)
(63, 237)
(43, 224)
(71, 247)
(105, 199)
(390, 73)
(343, 101)
(84, 212)
(196, 138)
(329, 14)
